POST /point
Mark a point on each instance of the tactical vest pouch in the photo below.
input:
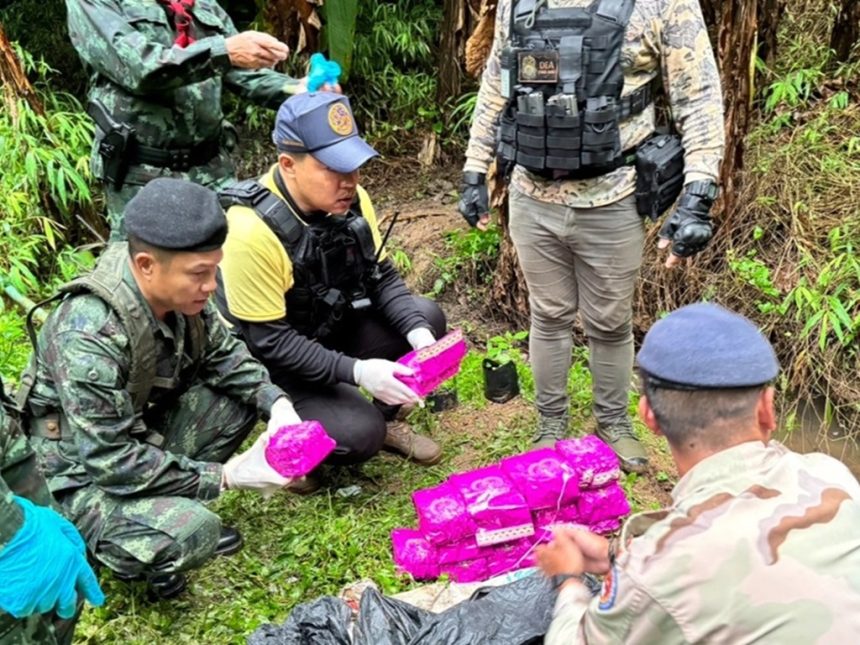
(563, 138)
(601, 139)
(506, 148)
(531, 131)
(659, 174)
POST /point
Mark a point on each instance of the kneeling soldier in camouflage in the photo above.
(137, 394)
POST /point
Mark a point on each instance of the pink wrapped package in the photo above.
(434, 364)
(500, 511)
(442, 514)
(470, 571)
(606, 526)
(547, 519)
(601, 504)
(462, 551)
(294, 451)
(544, 478)
(592, 459)
(414, 555)
(511, 557)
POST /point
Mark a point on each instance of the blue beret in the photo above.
(322, 124)
(176, 215)
(704, 346)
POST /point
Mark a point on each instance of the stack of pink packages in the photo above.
(486, 522)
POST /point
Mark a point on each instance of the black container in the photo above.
(500, 380)
(442, 400)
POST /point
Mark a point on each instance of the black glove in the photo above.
(474, 201)
(689, 227)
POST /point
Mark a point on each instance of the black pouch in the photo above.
(507, 137)
(563, 139)
(659, 174)
(601, 139)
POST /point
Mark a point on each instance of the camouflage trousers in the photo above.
(138, 535)
(217, 175)
(39, 628)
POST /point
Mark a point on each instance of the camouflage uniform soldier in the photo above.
(32, 532)
(567, 100)
(159, 67)
(140, 394)
(761, 544)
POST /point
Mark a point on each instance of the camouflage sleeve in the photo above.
(623, 612)
(485, 120)
(93, 371)
(112, 46)
(228, 367)
(19, 475)
(264, 87)
(693, 86)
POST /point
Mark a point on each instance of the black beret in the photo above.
(176, 215)
(704, 346)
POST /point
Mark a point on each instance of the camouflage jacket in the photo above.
(83, 362)
(170, 95)
(664, 37)
(761, 544)
(19, 474)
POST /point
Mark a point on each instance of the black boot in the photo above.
(230, 541)
(159, 586)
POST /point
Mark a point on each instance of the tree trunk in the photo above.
(454, 17)
(846, 30)
(14, 81)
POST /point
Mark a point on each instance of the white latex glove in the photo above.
(420, 337)
(377, 377)
(282, 414)
(250, 470)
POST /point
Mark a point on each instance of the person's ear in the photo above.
(646, 413)
(145, 263)
(287, 164)
(766, 413)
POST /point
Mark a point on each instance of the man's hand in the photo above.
(44, 567)
(250, 470)
(282, 414)
(377, 377)
(561, 556)
(474, 203)
(255, 50)
(688, 229)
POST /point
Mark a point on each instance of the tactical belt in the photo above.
(177, 159)
(54, 426)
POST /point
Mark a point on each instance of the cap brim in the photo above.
(346, 156)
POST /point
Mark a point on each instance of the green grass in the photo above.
(298, 548)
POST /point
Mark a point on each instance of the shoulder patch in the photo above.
(610, 589)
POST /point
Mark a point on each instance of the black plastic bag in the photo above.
(501, 382)
(518, 613)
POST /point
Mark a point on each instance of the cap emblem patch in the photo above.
(340, 119)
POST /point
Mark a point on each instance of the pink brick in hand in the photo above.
(434, 364)
(294, 451)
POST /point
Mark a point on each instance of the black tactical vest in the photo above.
(562, 76)
(333, 262)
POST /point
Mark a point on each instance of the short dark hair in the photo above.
(137, 245)
(691, 419)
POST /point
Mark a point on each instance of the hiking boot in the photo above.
(400, 437)
(550, 430)
(159, 586)
(230, 541)
(306, 485)
(619, 436)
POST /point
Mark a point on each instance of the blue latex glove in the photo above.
(322, 72)
(44, 566)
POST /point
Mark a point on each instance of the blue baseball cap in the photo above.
(705, 346)
(321, 124)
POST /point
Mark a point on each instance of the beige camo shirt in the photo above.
(665, 37)
(761, 545)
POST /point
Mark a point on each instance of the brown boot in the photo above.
(306, 485)
(400, 437)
